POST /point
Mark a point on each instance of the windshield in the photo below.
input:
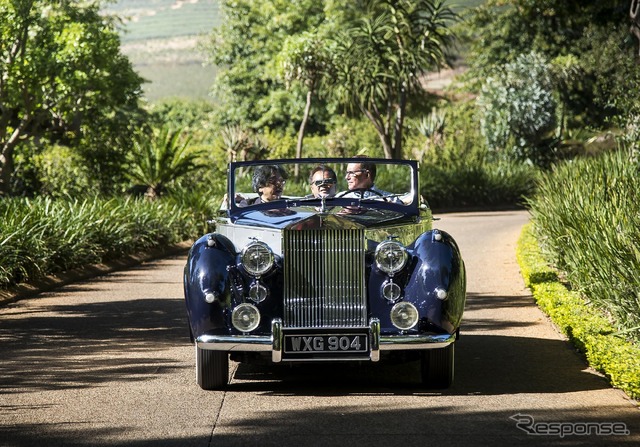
(287, 183)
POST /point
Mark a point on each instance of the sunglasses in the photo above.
(326, 181)
(355, 173)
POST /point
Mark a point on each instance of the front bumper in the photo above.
(273, 343)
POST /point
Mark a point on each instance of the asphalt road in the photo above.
(107, 362)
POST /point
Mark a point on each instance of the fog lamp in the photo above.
(391, 291)
(245, 317)
(257, 293)
(404, 315)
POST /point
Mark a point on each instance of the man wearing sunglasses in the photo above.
(360, 179)
(323, 181)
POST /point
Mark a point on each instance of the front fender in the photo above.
(206, 272)
(439, 266)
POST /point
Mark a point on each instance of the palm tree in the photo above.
(379, 61)
(161, 158)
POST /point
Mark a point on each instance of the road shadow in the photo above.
(500, 307)
(87, 344)
(485, 365)
(384, 425)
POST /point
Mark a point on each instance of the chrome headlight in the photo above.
(257, 258)
(258, 292)
(390, 257)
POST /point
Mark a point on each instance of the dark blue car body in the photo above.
(338, 279)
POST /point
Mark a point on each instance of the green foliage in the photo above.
(246, 43)
(457, 170)
(64, 80)
(609, 90)
(193, 116)
(276, 144)
(350, 137)
(372, 52)
(594, 33)
(44, 236)
(199, 202)
(587, 213)
(304, 58)
(63, 173)
(589, 330)
(240, 144)
(160, 159)
(502, 30)
(518, 110)
(469, 178)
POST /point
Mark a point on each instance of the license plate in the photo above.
(339, 344)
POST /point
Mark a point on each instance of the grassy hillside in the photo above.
(161, 39)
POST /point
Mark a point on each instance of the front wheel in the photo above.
(436, 367)
(212, 369)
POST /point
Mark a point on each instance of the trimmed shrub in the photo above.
(605, 349)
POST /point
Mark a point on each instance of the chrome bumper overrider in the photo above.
(273, 343)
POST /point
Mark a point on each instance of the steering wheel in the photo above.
(377, 193)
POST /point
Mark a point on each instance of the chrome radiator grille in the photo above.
(324, 279)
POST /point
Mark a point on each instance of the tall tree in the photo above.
(305, 60)
(62, 76)
(379, 61)
(245, 49)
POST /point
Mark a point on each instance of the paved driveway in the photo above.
(108, 362)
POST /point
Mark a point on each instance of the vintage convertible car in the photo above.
(354, 275)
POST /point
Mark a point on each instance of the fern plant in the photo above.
(161, 158)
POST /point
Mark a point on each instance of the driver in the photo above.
(360, 181)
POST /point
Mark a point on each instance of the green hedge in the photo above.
(606, 351)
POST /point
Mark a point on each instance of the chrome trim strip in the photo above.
(374, 327)
(425, 341)
(276, 335)
(231, 343)
(273, 343)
